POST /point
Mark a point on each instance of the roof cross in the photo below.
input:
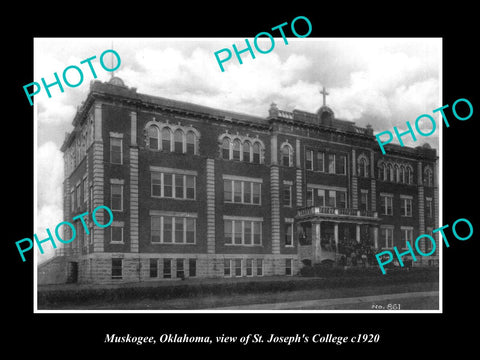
(324, 93)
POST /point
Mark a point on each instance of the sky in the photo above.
(383, 82)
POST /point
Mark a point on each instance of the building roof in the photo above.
(324, 118)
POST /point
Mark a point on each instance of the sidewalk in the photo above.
(363, 302)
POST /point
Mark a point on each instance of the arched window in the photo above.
(397, 173)
(178, 141)
(402, 174)
(362, 167)
(409, 175)
(246, 151)
(381, 171)
(236, 149)
(226, 149)
(428, 177)
(391, 173)
(191, 139)
(166, 139)
(287, 155)
(153, 135)
(256, 153)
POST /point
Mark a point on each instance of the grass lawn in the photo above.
(224, 300)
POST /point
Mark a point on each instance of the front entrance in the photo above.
(344, 243)
(72, 272)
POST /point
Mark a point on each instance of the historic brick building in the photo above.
(203, 192)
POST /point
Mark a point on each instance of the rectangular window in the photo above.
(321, 197)
(320, 161)
(341, 199)
(406, 206)
(243, 192)
(153, 268)
(116, 268)
(238, 267)
(237, 191)
(227, 268)
(192, 267)
(227, 190)
(386, 204)
(259, 267)
(309, 159)
(310, 194)
(168, 185)
(247, 232)
(386, 235)
(179, 186)
(172, 185)
(242, 232)
(287, 195)
(247, 192)
(191, 227)
(156, 229)
(341, 165)
(116, 234)
(331, 163)
(364, 200)
(257, 193)
(288, 234)
(288, 266)
(249, 267)
(228, 230)
(167, 268)
(237, 231)
(407, 236)
(428, 207)
(156, 184)
(180, 268)
(257, 233)
(116, 151)
(167, 229)
(332, 198)
(116, 197)
(179, 230)
(190, 185)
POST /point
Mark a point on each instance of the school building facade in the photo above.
(203, 192)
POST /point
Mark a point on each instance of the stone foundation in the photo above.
(97, 268)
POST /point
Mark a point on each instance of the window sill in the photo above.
(171, 198)
(170, 152)
(241, 203)
(245, 245)
(165, 243)
(242, 161)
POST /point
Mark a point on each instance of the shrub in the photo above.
(320, 276)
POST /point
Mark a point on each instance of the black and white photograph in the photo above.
(230, 180)
(253, 186)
